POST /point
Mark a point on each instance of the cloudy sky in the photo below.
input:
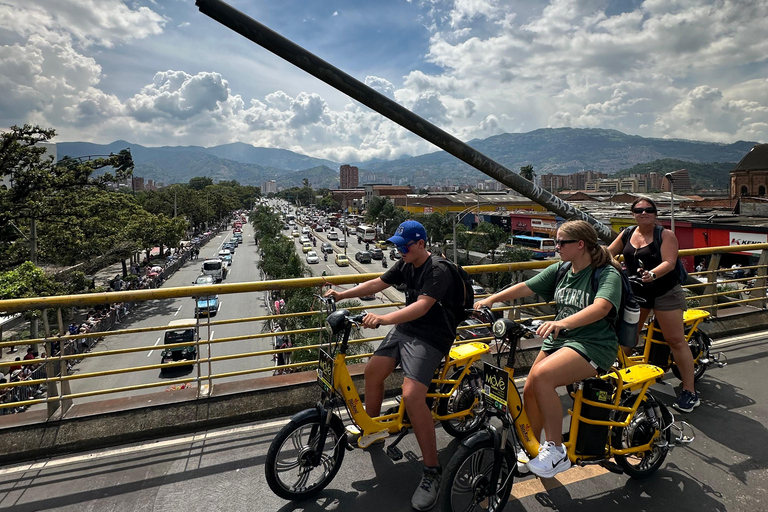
(158, 72)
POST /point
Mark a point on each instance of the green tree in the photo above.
(200, 183)
(526, 172)
(493, 237)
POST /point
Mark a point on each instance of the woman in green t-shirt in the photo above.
(589, 344)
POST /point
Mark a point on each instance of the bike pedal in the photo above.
(376, 437)
(394, 453)
(612, 467)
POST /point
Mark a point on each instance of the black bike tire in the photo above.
(698, 369)
(444, 408)
(469, 455)
(622, 460)
(271, 464)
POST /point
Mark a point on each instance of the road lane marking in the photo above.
(177, 311)
(525, 488)
(150, 352)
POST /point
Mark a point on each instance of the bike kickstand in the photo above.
(393, 452)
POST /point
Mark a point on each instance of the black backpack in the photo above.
(463, 296)
(682, 274)
(625, 320)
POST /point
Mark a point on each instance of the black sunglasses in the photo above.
(562, 242)
(649, 209)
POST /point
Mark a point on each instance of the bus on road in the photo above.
(540, 247)
(365, 233)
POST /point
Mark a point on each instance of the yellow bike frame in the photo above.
(691, 320)
(638, 379)
(460, 357)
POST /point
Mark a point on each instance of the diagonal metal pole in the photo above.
(300, 57)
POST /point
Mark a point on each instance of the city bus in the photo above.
(366, 233)
(540, 247)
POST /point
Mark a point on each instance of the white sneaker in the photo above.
(522, 462)
(550, 461)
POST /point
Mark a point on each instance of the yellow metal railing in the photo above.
(53, 373)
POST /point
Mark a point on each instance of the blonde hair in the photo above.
(583, 230)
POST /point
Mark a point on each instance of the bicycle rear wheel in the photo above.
(462, 400)
(699, 345)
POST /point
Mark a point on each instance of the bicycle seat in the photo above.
(467, 350)
(636, 374)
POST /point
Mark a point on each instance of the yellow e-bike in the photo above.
(306, 454)
(613, 416)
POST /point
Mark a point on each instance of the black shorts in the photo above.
(418, 359)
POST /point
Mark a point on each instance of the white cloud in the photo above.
(682, 68)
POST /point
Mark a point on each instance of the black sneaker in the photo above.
(687, 401)
(425, 496)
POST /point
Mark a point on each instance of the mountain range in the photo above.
(551, 150)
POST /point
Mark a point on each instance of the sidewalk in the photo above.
(102, 278)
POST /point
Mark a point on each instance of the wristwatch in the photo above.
(653, 276)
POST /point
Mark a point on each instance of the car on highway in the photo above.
(342, 243)
(333, 235)
(342, 260)
(479, 290)
(305, 230)
(312, 257)
(177, 334)
(226, 256)
(363, 256)
(230, 246)
(382, 244)
(326, 248)
(376, 253)
(295, 233)
(203, 279)
(214, 267)
(304, 239)
(306, 247)
(207, 306)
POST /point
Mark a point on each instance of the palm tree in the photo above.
(526, 172)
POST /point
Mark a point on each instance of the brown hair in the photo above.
(583, 230)
(647, 200)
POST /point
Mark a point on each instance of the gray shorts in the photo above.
(417, 359)
(670, 301)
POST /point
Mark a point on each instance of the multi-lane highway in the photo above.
(160, 312)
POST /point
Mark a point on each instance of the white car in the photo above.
(312, 257)
(305, 230)
(304, 239)
(332, 235)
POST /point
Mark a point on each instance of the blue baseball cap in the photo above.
(408, 231)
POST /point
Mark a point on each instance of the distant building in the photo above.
(349, 177)
(681, 180)
(138, 183)
(576, 181)
(349, 199)
(750, 177)
(269, 187)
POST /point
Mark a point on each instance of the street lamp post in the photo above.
(456, 219)
(671, 178)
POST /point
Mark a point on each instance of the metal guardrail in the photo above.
(52, 374)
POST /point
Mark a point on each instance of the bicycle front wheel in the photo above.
(467, 477)
(295, 468)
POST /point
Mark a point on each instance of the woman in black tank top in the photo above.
(661, 288)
